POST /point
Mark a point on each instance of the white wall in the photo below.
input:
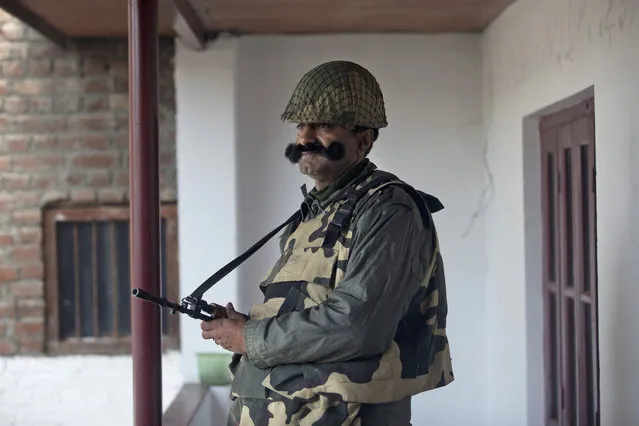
(538, 53)
(432, 87)
(77, 389)
(207, 219)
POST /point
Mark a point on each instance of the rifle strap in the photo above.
(229, 267)
(332, 235)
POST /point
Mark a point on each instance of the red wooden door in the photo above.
(570, 271)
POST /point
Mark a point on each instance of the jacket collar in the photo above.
(312, 204)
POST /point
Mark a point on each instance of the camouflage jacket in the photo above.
(363, 319)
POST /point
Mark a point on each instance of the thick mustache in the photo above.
(334, 152)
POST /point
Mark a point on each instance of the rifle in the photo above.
(193, 305)
(189, 306)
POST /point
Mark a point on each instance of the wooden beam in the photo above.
(35, 21)
(188, 26)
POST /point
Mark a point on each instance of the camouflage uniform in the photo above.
(354, 318)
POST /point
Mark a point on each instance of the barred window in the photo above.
(88, 289)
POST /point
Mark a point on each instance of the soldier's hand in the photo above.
(227, 332)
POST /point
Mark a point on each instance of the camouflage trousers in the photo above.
(280, 411)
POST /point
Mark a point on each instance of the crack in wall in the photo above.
(487, 195)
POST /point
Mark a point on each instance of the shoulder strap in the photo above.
(229, 267)
(197, 294)
(345, 211)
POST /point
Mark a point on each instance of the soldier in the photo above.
(353, 322)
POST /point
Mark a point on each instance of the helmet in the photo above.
(337, 92)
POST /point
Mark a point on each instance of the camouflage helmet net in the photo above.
(337, 92)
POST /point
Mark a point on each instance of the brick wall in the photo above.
(63, 139)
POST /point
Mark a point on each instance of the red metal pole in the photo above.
(145, 210)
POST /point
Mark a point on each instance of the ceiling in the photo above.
(322, 16)
(108, 18)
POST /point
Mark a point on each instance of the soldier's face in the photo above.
(322, 169)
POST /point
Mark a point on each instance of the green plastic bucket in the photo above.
(213, 369)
